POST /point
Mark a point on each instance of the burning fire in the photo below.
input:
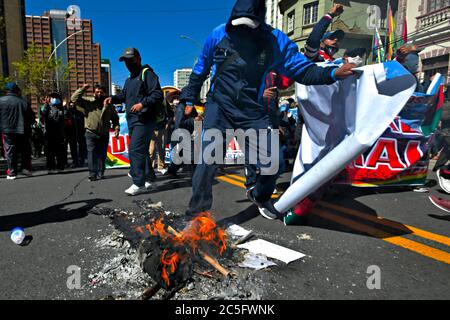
(201, 232)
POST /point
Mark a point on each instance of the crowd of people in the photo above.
(251, 62)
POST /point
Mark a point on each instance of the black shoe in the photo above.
(266, 208)
(92, 178)
(192, 214)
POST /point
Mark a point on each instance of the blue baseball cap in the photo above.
(337, 34)
(12, 87)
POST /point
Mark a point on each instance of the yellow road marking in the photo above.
(396, 240)
(389, 223)
(377, 233)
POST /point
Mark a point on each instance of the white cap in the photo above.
(246, 21)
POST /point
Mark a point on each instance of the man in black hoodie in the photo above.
(240, 54)
(16, 118)
(143, 97)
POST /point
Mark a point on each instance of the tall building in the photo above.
(12, 34)
(106, 75)
(300, 17)
(273, 14)
(428, 24)
(85, 57)
(181, 77)
(181, 80)
(74, 48)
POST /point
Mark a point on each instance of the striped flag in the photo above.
(391, 34)
(378, 49)
(405, 31)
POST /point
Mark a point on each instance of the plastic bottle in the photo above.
(17, 236)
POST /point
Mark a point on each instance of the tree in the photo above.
(36, 73)
(3, 81)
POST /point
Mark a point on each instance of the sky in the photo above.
(152, 26)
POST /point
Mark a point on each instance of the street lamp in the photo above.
(198, 44)
(56, 47)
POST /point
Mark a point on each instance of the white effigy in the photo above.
(344, 120)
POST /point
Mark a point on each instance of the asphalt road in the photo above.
(398, 231)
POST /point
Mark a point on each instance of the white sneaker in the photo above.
(163, 171)
(443, 182)
(134, 190)
(129, 176)
(148, 185)
(11, 178)
(27, 173)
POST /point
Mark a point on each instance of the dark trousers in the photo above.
(97, 149)
(56, 152)
(204, 175)
(141, 166)
(444, 158)
(15, 144)
(78, 149)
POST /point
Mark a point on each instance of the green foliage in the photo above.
(3, 81)
(36, 73)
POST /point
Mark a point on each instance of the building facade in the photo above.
(181, 77)
(12, 34)
(181, 80)
(79, 51)
(273, 14)
(300, 17)
(106, 75)
(429, 28)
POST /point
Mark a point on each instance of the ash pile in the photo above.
(162, 255)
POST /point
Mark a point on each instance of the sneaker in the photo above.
(129, 176)
(299, 215)
(440, 203)
(163, 171)
(266, 208)
(134, 190)
(11, 178)
(27, 173)
(92, 178)
(444, 180)
(148, 185)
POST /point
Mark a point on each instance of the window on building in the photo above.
(291, 22)
(310, 13)
(434, 5)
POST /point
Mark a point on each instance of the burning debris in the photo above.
(162, 255)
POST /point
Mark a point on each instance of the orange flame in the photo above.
(172, 262)
(202, 230)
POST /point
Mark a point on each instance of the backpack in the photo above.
(159, 111)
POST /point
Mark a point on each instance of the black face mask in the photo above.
(331, 51)
(245, 32)
(133, 67)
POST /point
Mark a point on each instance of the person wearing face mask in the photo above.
(99, 120)
(143, 98)
(53, 117)
(241, 53)
(321, 45)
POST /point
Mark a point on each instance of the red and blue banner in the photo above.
(401, 156)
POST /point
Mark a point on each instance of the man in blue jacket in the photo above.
(240, 54)
(142, 96)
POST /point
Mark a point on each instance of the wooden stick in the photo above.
(213, 262)
(150, 292)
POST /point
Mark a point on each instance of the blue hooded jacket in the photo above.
(238, 89)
